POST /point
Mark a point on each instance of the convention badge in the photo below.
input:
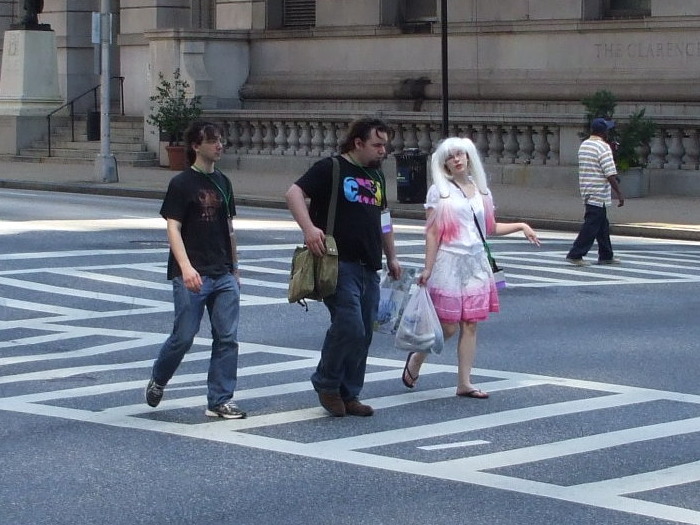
(386, 221)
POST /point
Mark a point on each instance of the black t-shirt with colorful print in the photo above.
(202, 203)
(361, 199)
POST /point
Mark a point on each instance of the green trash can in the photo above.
(411, 176)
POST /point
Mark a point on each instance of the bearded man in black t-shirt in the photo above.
(362, 230)
(203, 266)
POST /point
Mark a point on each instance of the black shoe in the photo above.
(228, 410)
(154, 393)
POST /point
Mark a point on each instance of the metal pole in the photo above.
(445, 90)
(105, 164)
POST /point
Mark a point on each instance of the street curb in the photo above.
(398, 211)
(94, 189)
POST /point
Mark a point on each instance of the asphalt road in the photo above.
(594, 414)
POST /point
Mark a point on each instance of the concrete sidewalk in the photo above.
(669, 217)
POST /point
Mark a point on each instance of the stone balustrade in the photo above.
(499, 139)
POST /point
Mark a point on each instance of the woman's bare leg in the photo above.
(417, 359)
(466, 352)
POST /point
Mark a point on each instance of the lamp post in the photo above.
(105, 163)
(445, 90)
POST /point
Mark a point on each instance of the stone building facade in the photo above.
(285, 75)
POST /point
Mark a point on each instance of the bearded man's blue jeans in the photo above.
(353, 309)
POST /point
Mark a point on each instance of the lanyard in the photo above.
(226, 196)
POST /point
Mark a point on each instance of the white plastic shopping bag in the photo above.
(393, 296)
(419, 329)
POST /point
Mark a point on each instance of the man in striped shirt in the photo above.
(597, 176)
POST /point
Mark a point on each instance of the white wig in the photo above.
(441, 177)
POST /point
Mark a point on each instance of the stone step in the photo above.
(93, 145)
(69, 143)
(81, 131)
(87, 155)
(81, 124)
(62, 160)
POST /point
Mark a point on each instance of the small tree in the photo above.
(626, 140)
(172, 110)
(600, 105)
(633, 136)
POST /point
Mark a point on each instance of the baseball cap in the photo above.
(600, 125)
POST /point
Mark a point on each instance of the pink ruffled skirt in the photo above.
(462, 287)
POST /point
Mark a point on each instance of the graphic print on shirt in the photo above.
(210, 202)
(363, 191)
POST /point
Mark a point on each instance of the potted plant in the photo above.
(172, 111)
(628, 142)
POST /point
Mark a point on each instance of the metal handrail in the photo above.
(72, 102)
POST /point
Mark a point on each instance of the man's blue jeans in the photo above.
(595, 228)
(221, 296)
(353, 310)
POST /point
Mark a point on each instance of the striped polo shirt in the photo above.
(595, 165)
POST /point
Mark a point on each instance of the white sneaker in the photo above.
(577, 262)
(228, 410)
(614, 260)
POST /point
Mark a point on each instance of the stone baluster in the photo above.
(341, 131)
(304, 139)
(526, 146)
(691, 159)
(552, 136)
(675, 150)
(256, 141)
(245, 137)
(316, 139)
(268, 138)
(482, 141)
(658, 150)
(469, 133)
(496, 144)
(293, 139)
(510, 146)
(410, 139)
(233, 139)
(330, 140)
(280, 137)
(541, 145)
(397, 143)
(424, 142)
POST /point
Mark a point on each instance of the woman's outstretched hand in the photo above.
(530, 235)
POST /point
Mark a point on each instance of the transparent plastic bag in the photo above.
(393, 296)
(419, 329)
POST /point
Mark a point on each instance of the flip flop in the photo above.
(406, 372)
(474, 394)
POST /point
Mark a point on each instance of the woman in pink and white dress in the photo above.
(457, 271)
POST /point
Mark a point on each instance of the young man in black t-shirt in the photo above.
(203, 266)
(362, 230)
